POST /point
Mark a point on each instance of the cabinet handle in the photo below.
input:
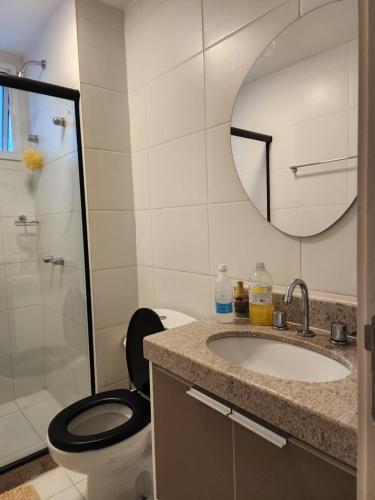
(206, 400)
(258, 429)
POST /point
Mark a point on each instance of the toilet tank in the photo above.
(171, 319)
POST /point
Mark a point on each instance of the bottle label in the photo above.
(260, 295)
(224, 308)
(241, 306)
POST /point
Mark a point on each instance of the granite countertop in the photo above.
(322, 414)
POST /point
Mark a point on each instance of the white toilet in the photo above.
(107, 436)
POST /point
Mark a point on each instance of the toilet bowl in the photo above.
(107, 436)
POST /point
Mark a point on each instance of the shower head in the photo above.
(42, 64)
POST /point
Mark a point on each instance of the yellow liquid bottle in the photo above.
(260, 297)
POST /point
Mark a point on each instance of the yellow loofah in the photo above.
(33, 159)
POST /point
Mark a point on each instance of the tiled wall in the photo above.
(109, 184)
(304, 129)
(186, 61)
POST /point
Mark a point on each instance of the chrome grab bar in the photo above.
(294, 168)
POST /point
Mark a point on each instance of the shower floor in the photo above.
(23, 425)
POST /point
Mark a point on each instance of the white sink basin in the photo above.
(278, 359)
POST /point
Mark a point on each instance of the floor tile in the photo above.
(7, 408)
(75, 477)
(82, 487)
(32, 399)
(41, 414)
(51, 483)
(16, 434)
(69, 494)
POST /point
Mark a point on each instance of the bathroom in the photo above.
(126, 184)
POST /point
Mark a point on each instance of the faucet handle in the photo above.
(279, 320)
(339, 333)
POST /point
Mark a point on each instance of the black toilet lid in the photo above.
(144, 322)
(63, 439)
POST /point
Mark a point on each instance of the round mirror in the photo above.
(294, 123)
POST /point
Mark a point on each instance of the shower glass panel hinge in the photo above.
(370, 336)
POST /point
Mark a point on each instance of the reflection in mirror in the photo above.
(294, 124)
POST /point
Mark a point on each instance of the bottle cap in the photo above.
(239, 283)
(260, 266)
(223, 267)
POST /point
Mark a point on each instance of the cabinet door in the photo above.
(265, 472)
(193, 445)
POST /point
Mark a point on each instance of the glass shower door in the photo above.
(44, 296)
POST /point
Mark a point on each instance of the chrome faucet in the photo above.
(305, 331)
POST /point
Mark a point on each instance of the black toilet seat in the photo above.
(61, 438)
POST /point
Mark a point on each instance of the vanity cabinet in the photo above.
(295, 472)
(193, 445)
(204, 452)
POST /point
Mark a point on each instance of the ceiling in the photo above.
(20, 22)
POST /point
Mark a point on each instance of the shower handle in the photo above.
(55, 261)
(58, 261)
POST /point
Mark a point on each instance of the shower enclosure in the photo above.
(45, 320)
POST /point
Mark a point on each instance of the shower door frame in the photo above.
(51, 90)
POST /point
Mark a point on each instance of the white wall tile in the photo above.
(227, 63)
(221, 18)
(240, 237)
(175, 102)
(57, 284)
(6, 380)
(23, 284)
(112, 238)
(108, 180)
(5, 348)
(134, 56)
(177, 172)
(146, 287)
(138, 122)
(148, 6)
(3, 288)
(185, 292)
(55, 141)
(172, 33)
(337, 245)
(16, 196)
(120, 384)
(28, 372)
(105, 119)
(141, 180)
(110, 355)
(144, 238)
(20, 243)
(26, 328)
(180, 239)
(101, 55)
(115, 296)
(223, 182)
(56, 186)
(58, 45)
(307, 5)
(61, 235)
(101, 13)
